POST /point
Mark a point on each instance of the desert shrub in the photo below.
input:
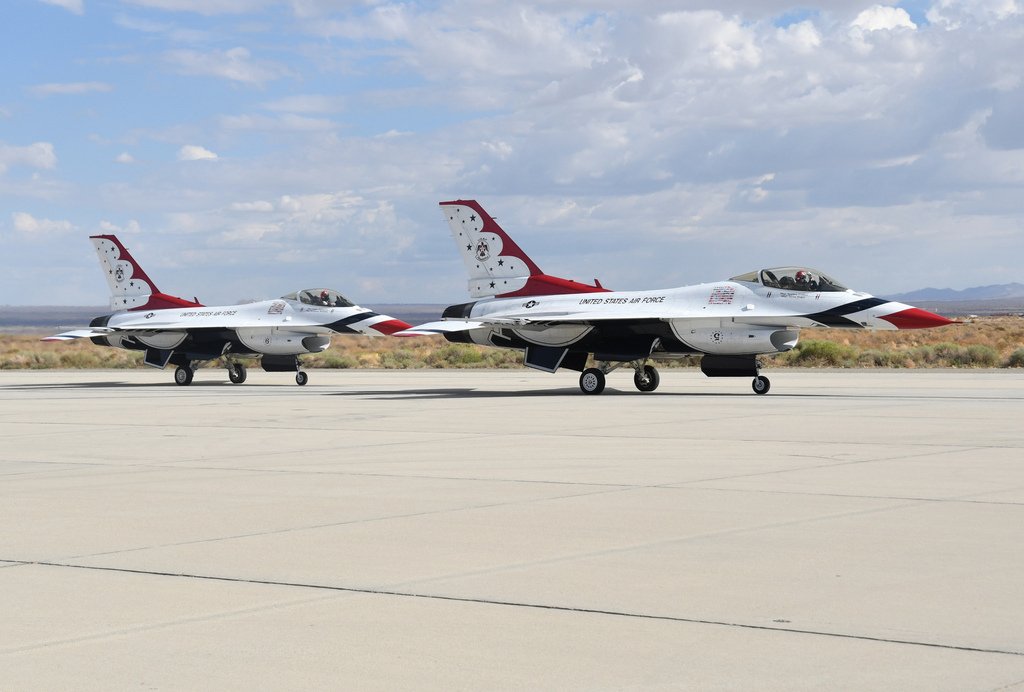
(455, 356)
(813, 352)
(337, 361)
(399, 359)
(1016, 359)
(981, 356)
(875, 358)
(973, 356)
(502, 358)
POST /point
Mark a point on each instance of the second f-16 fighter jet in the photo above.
(183, 332)
(559, 323)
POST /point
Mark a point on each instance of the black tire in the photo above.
(592, 381)
(237, 373)
(761, 385)
(301, 378)
(183, 375)
(647, 380)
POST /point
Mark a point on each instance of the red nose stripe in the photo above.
(916, 318)
(391, 326)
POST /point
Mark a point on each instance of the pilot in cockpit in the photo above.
(325, 299)
(805, 280)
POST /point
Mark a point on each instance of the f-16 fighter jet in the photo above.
(183, 332)
(558, 323)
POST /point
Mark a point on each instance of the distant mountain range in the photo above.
(995, 292)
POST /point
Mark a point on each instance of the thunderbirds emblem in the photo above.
(483, 253)
(119, 274)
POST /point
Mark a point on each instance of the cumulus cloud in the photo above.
(194, 152)
(131, 228)
(880, 18)
(594, 120)
(74, 6)
(39, 155)
(71, 88)
(24, 222)
(235, 64)
(124, 157)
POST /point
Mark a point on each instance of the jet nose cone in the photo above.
(916, 318)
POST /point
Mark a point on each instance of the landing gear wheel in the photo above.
(183, 375)
(761, 385)
(592, 381)
(647, 379)
(301, 378)
(236, 373)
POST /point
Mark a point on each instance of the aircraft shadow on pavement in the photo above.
(473, 393)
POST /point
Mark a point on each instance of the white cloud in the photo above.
(306, 103)
(285, 122)
(71, 88)
(74, 6)
(28, 224)
(882, 18)
(194, 152)
(39, 155)
(235, 64)
(259, 206)
(956, 14)
(803, 37)
(131, 228)
(124, 157)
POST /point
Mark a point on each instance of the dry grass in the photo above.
(985, 342)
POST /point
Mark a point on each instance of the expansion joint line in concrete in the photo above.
(518, 604)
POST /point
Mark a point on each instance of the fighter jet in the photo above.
(559, 323)
(184, 332)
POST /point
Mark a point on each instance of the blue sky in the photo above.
(246, 148)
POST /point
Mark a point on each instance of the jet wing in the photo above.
(442, 327)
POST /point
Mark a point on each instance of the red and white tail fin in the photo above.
(496, 265)
(130, 287)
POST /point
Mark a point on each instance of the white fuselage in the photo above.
(726, 317)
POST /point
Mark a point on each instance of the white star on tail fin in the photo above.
(497, 266)
(130, 287)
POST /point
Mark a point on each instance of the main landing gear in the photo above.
(645, 377)
(183, 375)
(237, 373)
(761, 385)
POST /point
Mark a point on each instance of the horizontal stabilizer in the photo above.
(77, 334)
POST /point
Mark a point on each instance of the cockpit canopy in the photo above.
(792, 279)
(319, 296)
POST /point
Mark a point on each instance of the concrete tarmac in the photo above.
(479, 530)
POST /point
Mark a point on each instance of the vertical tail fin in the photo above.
(130, 287)
(497, 266)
